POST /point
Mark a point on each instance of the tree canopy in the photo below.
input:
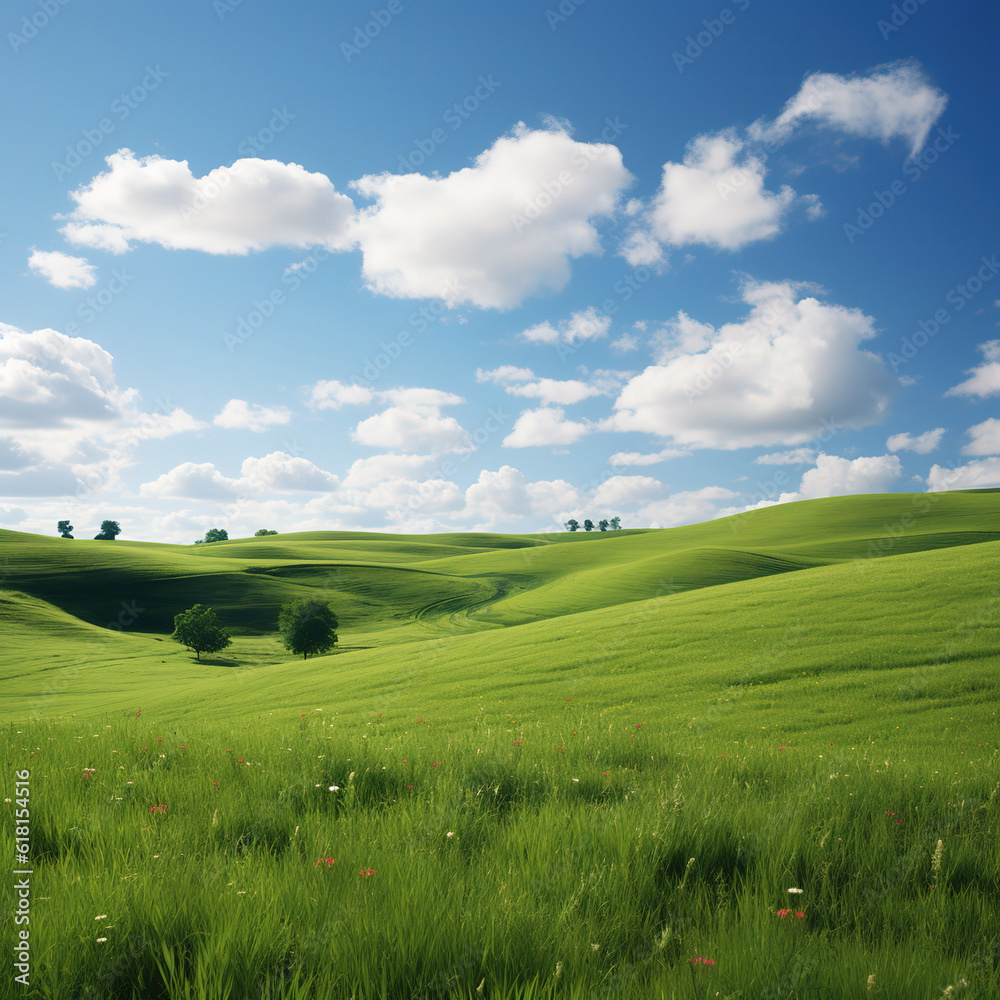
(109, 530)
(308, 626)
(260, 532)
(572, 524)
(65, 529)
(216, 535)
(199, 629)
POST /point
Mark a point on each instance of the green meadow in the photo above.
(537, 766)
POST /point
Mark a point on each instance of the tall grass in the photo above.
(551, 863)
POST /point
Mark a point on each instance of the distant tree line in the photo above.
(109, 530)
(574, 525)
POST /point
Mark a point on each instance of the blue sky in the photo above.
(444, 266)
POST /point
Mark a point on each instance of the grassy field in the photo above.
(538, 766)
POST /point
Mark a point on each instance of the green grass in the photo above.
(768, 695)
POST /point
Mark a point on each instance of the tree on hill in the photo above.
(198, 628)
(216, 535)
(572, 524)
(109, 529)
(603, 524)
(616, 523)
(588, 525)
(260, 532)
(308, 626)
(65, 529)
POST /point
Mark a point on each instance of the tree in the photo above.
(108, 531)
(307, 626)
(260, 532)
(588, 525)
(198, 628)
(216, 535)
(572, 524)
(65, 529)
(616, 523)
(603, 524)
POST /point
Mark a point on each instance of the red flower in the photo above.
(325, 861)
(434, 765)
(370, 871)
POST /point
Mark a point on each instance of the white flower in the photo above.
(450, 833)
(796, 891)
(102, 916)
(101, 940)
(335, 788)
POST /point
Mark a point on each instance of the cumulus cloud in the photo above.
(414, 423)
(493, 233)
(506, 495)
(522, 382)
(778, 377)
(980, 473)
(252, 205)
(715, 196)
(619, 490)
(686, 507)
(545, 426)
(63, 270)
(587, 324)
(238, 414)
(889, 102)
(835, 477)
(984, 379)
(60, 400)
(985, 438)
(274, 473)
(366, 472)
(920, 443)
(332, 395)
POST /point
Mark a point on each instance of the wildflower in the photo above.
(101, 916)
(162, 808)
(796, 891)
(101, 940)
(434, 765)
(325, 861)
(594, 947)
(701, 961)
(871, 982)
(450, 833)
(370, 871)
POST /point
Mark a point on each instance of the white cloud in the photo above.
(640, 458)
(779, 377)
(277, 472)
(686, 507)
(238, 414)
(194, 481)
(498, 497)
(402, 498)
(545, 426)
(332, 395)
(281, 473)
(252, 205)
(587, 324)
(366, 472)
(892, 101)
(63, 270)
(796, 456)
(413, 426)
(985, 438)
(985, 378)
(834, 477)
(522, 382)
(60, 400)
(619, 490)
(920, 443)
(977, 474)
(493, 233)
(716, 196)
